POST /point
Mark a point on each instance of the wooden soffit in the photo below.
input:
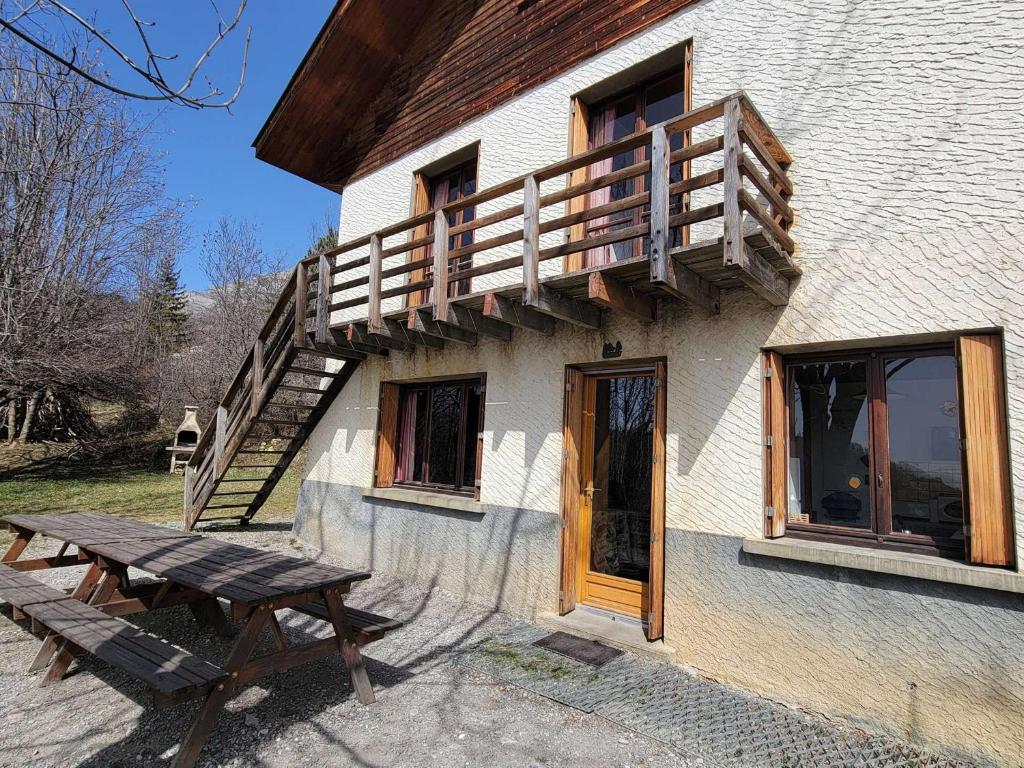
(385, 77)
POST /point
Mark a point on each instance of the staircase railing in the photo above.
(284, 331)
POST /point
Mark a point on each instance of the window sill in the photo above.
(426, 499)
(879, 561)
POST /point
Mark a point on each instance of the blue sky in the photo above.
(208, 153)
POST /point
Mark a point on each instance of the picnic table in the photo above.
(190, 570)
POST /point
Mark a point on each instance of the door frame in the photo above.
(572, 490)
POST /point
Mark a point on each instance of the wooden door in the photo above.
(621, 492)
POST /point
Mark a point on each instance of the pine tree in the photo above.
(167, 302)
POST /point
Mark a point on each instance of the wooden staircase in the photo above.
(278, 396)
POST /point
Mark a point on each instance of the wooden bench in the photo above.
(367, 626)
(170, 671)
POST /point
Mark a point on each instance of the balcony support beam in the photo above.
(400, 331)
(565, 308)
(360, 333)
(513, 313)
(760, 277)
(688, 286)
(614, 294)
(475, 322)
(421, 322)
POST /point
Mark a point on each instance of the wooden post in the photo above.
(375, 322)
(256, 377)
(299, 331)
(531, 241)
(661, 241)
(732, 214)
(440, 265)
(323, 300)
(220, 429)
(186, 505)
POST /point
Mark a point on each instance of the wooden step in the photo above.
(297, 388)
(312, 372)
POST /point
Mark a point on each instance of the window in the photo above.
(872, 449)
(434, 191)
(635, 109)
(429, 435)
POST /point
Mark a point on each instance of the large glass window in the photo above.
(875, 450)
(438, 434)
(640, 107)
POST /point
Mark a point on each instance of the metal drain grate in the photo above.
(588, 651)
(725, 726)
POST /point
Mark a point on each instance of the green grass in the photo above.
(145, 494)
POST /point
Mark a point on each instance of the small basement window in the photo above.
(430, 435)
(899, 448)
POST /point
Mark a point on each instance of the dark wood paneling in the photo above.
(379, 83)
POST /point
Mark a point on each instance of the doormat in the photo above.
(588, 651)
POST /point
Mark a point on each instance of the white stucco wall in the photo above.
(904, 122)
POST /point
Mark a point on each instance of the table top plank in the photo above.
(84, 528)
(236, 573)
(231, 571)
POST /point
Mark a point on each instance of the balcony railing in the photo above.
(709, 214)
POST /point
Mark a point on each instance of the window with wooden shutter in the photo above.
(387, 435)
(900, 447)
(430, 435)
(987, 486)
(775, 441)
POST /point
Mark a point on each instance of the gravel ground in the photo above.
(429, 710)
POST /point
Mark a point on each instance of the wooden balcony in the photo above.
(704, 212)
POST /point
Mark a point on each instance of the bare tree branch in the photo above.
(149, 70)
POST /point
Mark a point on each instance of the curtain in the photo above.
(603, 124)
(406, 469)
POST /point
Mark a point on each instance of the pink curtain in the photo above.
(439, 198)
(603, 125)
(406, 470)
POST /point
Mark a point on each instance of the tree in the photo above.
(81, 207)
(245, 281)
(22, 20)
(167, 303)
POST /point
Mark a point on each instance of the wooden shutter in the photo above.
(987, 482)
(387, 435)
(572, 433)
(578, 141)
(656, 577)
(776, 432)
(420, 204)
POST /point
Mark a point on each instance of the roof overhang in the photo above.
(327, 94)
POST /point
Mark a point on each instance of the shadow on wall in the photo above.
(504, 559)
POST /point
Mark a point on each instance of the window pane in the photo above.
(472, 430)
(620, 530)
(924, 446)
(828, 461)
(445, 405)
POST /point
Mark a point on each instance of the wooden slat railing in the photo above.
(285, 329)
(389, 267)
(743, 149)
